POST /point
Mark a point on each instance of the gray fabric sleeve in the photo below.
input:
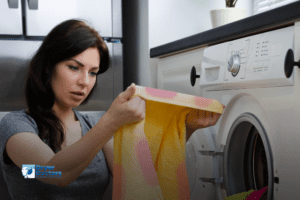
(12, 124)
(94, 117)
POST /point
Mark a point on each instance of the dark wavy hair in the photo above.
(65, 41)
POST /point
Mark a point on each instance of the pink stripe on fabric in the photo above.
(146, 163)
(182, 178)
(118, 183)
(161, 93)
(202, 102)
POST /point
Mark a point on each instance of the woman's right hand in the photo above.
(124, 111)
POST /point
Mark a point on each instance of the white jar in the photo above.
(224, 16)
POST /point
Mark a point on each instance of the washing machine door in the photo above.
(204, 166)
(244, 163)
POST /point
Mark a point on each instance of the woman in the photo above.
(49, 132)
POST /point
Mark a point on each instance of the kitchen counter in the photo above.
(276, 18)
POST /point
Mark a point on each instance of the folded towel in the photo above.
(149, 156)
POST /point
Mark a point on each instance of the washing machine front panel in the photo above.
(260, 89)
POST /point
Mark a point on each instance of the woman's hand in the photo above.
(197, 119)
(124, 111)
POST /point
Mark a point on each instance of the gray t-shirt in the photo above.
(90, 184)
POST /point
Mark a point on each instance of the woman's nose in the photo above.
(84, 79)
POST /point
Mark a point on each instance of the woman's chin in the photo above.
(75, 105)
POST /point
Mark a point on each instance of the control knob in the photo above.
(234, 64)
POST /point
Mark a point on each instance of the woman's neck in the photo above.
(66, 115)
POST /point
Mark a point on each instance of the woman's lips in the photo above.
(77, 95)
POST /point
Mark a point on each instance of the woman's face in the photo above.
(73, 79)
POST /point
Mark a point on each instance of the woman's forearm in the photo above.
(74, 159)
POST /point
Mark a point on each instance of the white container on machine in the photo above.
(224, 16)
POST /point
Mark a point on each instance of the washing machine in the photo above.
(256, 142)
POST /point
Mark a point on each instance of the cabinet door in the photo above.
(41, 20)
(174, 72)
(11, 17)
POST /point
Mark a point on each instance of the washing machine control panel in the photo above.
(250, 62)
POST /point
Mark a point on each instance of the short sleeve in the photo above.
(13, 123)
(93, 117)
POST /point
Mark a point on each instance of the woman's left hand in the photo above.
(197, 119)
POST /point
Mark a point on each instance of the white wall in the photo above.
(171, 20)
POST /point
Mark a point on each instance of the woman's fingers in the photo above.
(215, 118)
(137, 105)
(202, 119)
(134, 102)
(124, 96)
(142, 108)
(207, 119)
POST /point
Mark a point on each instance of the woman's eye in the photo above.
(93, 73)
(73, 68)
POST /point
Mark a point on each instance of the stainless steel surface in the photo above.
(97, 12)
(117, 18)
(14, 60)
(11, 18)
